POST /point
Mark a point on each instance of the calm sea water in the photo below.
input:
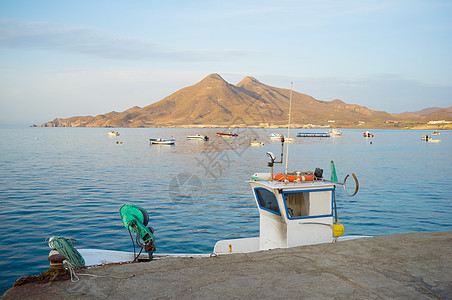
(72, 182)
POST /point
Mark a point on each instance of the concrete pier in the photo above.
(403, 266)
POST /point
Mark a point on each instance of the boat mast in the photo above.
(288, 131)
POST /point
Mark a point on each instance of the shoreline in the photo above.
(415, 127)
(411, 265)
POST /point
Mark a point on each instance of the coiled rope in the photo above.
(66, 247)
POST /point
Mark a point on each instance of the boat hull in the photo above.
(162, 141)
(313, 134)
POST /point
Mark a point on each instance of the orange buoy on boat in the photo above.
(298, 177)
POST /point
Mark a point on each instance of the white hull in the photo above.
(197, 137)
(96, 257)
(249, 245)
(163, 141)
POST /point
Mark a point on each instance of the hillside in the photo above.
(216, 103)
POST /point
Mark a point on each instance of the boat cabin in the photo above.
(291, 214)
(294, 214)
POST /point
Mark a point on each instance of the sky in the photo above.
(73, 58)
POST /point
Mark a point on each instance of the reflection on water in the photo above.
(72, 182)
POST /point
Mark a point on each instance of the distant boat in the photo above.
(275, 136)
(335, 132)
(226, 134)
(426, 138)
(368, 134)
(436, 133)
(286, 140)
(256, 143)
(160, 141)
(113, 133)
(198, 137)
(313, 134)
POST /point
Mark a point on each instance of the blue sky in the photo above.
(67, 58)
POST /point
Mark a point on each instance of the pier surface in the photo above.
(403, 266)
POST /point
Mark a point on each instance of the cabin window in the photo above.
(267, 200)
(312, 203)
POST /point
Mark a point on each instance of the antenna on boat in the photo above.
(288, 131)
(283, 139)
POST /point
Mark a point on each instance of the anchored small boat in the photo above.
(256, 144)
(436, 133)
(113, 133)
(313, 134)
(226, 134)
(335, 132)
(427, 138)
(275, 136)
(198, 137)
(368, 134)
(161, 141)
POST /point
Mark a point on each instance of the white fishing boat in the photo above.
(368, 134)
(198, 137)
(161, 141)
(275, 136)
(113, 133)
(335, 132)
(227, 134)
(427, 138)
(256, 144)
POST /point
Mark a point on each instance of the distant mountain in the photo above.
(214, 102)
(430, 110)
(434, 113)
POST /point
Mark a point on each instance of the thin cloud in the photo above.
(91, 42)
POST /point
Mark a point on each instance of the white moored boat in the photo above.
(275, 136)
(161, 141)
(113, 133)
(294, 210)
(429, 139)
(256, 143)
(335, 132)
(198, 137)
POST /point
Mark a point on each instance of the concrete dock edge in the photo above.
(409, 266)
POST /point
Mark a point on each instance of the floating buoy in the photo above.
(338, 229)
